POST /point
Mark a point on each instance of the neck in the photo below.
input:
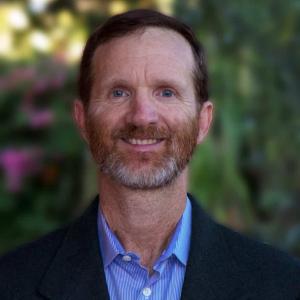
(143, 220)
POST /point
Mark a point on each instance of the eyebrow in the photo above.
(170, 82)
(115, 82)
(167, 82)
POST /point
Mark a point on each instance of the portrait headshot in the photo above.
(159, 165)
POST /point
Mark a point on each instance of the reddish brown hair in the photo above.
(130, 22)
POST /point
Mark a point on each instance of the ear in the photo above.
(205, 120)
(79, 118)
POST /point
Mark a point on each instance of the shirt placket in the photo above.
(149, 289)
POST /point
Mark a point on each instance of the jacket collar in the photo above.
(212, 272)
(77, 269)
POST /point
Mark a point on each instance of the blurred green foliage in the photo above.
(40, 151)
(246, 173)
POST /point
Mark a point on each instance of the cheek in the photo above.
(97, 111)
(178, 111)
(102, 127)
(179, 120)
(104, 117)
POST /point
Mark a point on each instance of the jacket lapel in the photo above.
(77, 271)
(211, 270)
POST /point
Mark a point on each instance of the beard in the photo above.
(143, 170)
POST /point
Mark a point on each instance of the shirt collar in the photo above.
(109, 243)
(179, 244)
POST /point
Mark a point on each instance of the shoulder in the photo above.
(38, 250)
(253, 255)
(247, 252)
(42, 250)
(249, 266)
(269, 270)
(23, 270)
(24, 267)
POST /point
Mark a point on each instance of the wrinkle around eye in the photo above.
(166, 93)
(119, 93)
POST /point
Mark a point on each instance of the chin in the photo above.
(141, 175)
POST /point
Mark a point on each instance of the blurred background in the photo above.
(246, 174)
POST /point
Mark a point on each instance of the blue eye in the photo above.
(167, 93)
(119, 93)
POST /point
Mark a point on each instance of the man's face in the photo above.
(142, 121)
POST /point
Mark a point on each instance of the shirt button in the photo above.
(147, 292)
(126, 258)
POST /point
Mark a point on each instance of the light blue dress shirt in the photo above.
(127, 279)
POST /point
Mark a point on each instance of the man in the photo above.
(143, 108)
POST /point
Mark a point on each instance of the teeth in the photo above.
(142, 142)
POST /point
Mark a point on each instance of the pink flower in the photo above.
(17, 165)
(41, 118)
(17, 76)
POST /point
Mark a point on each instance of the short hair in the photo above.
(130, 22)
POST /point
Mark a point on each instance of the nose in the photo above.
(142, 110)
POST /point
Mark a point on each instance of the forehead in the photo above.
(155, 50)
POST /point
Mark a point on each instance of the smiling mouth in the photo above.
(142, 141)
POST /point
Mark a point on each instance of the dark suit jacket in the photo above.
(222, 264)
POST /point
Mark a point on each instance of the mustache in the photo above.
(142, 132)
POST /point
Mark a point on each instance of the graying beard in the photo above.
(148, 179)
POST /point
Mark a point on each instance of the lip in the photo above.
(143, 147)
